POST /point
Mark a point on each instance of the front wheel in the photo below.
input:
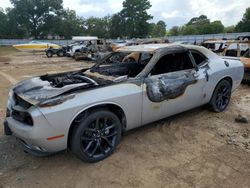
(221, 96)
(96, 136)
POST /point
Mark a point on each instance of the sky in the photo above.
(173, 12)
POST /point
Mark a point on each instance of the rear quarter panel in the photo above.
(218, 70)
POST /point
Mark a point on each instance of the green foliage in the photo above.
(68, 24)
(97, 27)
(229, 29)
(217, 27)
(40, 18)
(158, 30)
(33, 15)
(174, 31)
(3, 21)
(117, 26)
(135, 17)
(9, 27)
(244, 24)
(197, 26)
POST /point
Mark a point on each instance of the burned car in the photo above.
(87, 111)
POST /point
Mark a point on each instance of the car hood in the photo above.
(40, 89)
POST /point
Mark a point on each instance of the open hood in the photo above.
(39, 89)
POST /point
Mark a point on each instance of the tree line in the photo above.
(40, 18)
(202, 25)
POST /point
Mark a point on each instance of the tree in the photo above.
(244, 24)
(217, 27)
(189, 30)
(158, 30)
(97, 26)
(174, 31)
(201, 25)
(32, 15)
(135, 17)
(117, 26)
(68, 24)
(3, 21)
(229, 29)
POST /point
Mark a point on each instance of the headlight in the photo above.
(10, 99)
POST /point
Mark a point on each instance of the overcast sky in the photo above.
(173, 12)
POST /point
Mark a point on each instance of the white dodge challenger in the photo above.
(87, 111)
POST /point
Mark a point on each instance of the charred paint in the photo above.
(169, 86)
(40, 90)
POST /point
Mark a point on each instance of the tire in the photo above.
(60, 53)
(77, 56)
(96, 136)
(221, 96)
(49, 53)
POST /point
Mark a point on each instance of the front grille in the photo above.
(19, 111)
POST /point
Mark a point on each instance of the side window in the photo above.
(172, 63)
(198, 57)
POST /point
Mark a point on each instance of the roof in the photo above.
(144, 47)
(225, 41)
(84, 38)
(151, 48)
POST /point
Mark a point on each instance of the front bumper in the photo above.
(36, 151)
(34, 139)
(33, 150)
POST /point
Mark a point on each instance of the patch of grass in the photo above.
(7, 50)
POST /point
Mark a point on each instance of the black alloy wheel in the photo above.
(221, 96)
(96, 136)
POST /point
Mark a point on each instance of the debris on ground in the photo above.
(241, 119)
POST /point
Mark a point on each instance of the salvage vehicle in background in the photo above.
(60, 52)
(93, 50)
(246, 61)
(79, 42)
(239, 49)
(85, 47)
(87, 111)
(34, 46)
(216, 46)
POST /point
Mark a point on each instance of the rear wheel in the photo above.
(96, 136)
(49, 53)
(60, 53)
(221, 96)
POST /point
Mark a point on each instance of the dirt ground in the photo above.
(197, 148)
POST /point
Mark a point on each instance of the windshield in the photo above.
(122, 64)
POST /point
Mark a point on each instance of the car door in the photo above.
(174, 90)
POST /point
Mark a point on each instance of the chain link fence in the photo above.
(200, 38)
(10, 42)
(187, 38)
